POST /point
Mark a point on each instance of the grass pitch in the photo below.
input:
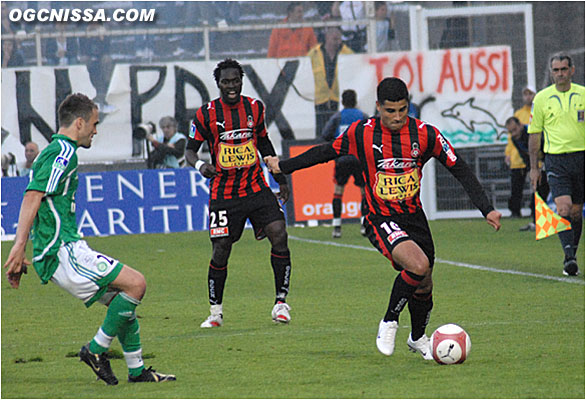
(526, 321)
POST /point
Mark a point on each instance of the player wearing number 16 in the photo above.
(60, 256)
(392, 150)
(234, 127)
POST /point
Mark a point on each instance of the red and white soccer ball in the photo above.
(450, 344)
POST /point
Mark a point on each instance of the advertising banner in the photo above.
(127, 202)
(313, 190)
(466, 93)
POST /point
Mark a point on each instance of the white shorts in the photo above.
(85, 273)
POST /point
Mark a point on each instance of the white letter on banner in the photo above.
(163, 184)
(189, 217)
(165, 210)
(86, 221)
(118, 221)
(206, 213)
(122, 181)
(141, 220)
(197, 180)
(89, 187)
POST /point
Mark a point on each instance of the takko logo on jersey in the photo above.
(235, 134)
(237, 155)
(397, 186)
(397, 163)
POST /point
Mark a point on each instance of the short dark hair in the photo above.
(561, 56)
(74, 106)
(391, 89)
(227, 63)
(512, 119)
(349, 98)
(292, 6)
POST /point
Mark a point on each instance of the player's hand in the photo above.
(494, 219)
(272, 163)
(17, 265)
(535, 177)
(208, 170)
(283, 192)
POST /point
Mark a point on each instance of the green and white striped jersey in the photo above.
(54, 172)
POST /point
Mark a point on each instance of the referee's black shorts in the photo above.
(565, 175)
(386, 232)
(227, 218)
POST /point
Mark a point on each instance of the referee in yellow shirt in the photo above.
(558, 114)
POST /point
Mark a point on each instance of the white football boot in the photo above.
(216, 319)
(385, 340)
(421, 346)
(280, 312)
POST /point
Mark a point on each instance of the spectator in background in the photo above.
(291, 42)
(558, 115)
(95, 53)
(9, 165)
(523, 116)
(169, 145)
(8, 27)
(354, 36)
(345, 165)
(385, 32)
(31, 151)
(324, 63)
(11, 55)
(62, 50)
(517, 157)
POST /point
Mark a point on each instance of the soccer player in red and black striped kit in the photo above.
(392, 149)
(234, 127)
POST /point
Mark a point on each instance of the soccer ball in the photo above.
(450, 344)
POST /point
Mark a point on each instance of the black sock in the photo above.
(337, 206)
(420, 306)
(577, 229)
(281, 263)
(567, 240)
(403, 288)
(216, 279)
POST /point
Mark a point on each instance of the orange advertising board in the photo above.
(313, 189)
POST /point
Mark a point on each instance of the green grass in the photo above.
(527, 332)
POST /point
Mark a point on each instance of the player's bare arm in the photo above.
(534, 147)
(283, 192)
(206, 169)
(17, 263)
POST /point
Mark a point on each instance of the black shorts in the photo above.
(565, 175)
(385, 233)
(228, 217)
(347, 166)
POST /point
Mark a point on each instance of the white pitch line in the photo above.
(454, 263)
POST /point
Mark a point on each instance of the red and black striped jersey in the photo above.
(232, 133)
(392, 162)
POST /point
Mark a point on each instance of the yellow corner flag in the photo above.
(547, 222)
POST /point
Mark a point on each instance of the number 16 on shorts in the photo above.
(219, 224)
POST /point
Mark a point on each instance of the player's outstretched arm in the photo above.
(272, 163)
(493, 218)
(16, 263)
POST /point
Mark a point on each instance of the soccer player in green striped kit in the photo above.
(60, 256)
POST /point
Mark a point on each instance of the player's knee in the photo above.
(420, 266)
(277, 234)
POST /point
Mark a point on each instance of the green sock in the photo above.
(129, 338)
